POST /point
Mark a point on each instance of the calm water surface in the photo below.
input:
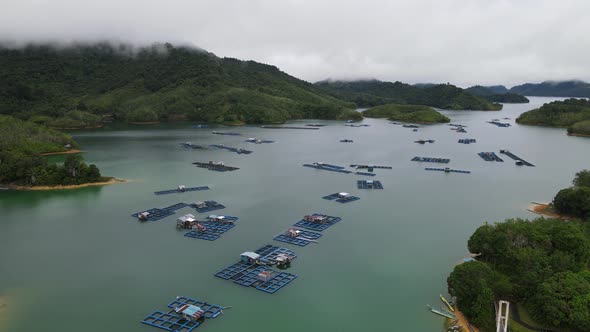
(75, 260)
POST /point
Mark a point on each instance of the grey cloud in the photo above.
(461, 41)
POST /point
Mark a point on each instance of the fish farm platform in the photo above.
(246, 274)
(346, 141)
(467, 140)
(225, 133)
(289, 127)
(423, 141)
(258, 141)
(447, 170)
(326, 168)
(189, 145)
(214, 230)
(216, 167)
(517, 158)
(370, 167)
(174, 322)
(178, 190)
(209, 206)
(157, 214)
(489, 156)
(364, 184)
(499, 124)
(431, 160)
(236, 150)
(336, 197)
(364, 173)
(318, 225)
(304, 238)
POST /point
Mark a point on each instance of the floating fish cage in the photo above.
(369, 184)
(370, 167)
(328, 167)
(489, 156)
(254, 269)
(499, 124)
(225, 133)
(215, 166)
(207, 206)
(519, 161)
(431, 160)
(341, 197)
(190, 145)
(212, 230)
(346, 141)
(181, 189)
(178, 318)
(424, 141)
(467, 140)
(257, 141)
(447, 170)
(317, 222)
(364, 173)
(298, 237)
(157, 214)
(289, 127)
(236, 150)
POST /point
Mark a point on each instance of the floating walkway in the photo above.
(357, 126)
(315, 125)
(207, 206)
(190, 145)
(499, 124)
(289, 127)
(370, 167)
(431, 160)
(257, 141)
(236, 150)
(225, 133)
(519, 161)
(363, 173)
(369, 184)
(317, 222)
(253, 270)
(441, 312)
(157, 214)
(328, 167)
(215, 166)
(447, 170)
(212, 230)
(341, 197)
(467, 140)
(298, 237)
(175, 320)
(490, 156)
(180, 189)
(423, 141)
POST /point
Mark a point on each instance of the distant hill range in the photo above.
(78, 86)
(572, 88)
(369, 93)
(497, 94)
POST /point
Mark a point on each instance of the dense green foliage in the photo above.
(162, 82)
(406, 113)
(575, 201)
(29, 138)
(580, 128)
(473, 285)
(497, 94)
(554, 89)
(542, 263)
(560, 114)
(21, 143)
(582, 179)
(373, 93)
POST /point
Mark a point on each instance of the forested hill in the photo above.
(554, 89)
(370, 93)
(497, 94)
(70, 86)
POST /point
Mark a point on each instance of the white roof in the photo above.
(188, 217)
(250, 254)
(343, 194)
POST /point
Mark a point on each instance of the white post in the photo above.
(502, 315)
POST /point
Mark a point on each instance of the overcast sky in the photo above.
(460, 41)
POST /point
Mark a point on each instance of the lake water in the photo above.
(76, 261)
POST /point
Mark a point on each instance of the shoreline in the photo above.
(465, 325)
(79, 128)
(578, 135)
(73, 186)
(72, 151)
(545, 210)
(143, 123)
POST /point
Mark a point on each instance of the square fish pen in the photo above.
(298, 237)
(174, 321)
(317, 222)
(369, 184)
(207, 206)
(341, 197)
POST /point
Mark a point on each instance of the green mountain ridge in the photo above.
(572, 88)
(368, 93)
(156, 83)
(406, 113)
(572, 113)
(497, 94)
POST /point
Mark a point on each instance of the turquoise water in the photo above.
(75, 261)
